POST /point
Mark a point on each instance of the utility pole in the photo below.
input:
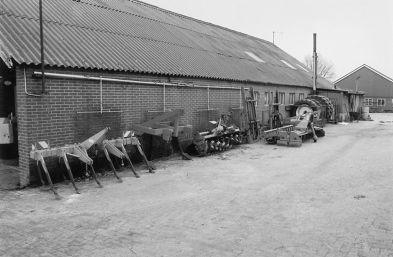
(315, 63)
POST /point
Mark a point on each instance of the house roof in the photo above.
(129, 35)
(367, 67)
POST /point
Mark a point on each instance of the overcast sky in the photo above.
(350, 32)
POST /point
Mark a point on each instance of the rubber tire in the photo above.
(323, 100)
(309, 102)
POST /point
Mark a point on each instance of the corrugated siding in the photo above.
(133, 36)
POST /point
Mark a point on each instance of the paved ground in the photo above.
(332, 198)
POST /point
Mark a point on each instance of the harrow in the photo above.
(115, 147)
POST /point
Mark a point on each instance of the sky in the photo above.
(350, 32)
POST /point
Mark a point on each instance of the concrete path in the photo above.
(331, 198)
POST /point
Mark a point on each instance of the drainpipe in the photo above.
(101, 97)
(42, 50)
(315, 64)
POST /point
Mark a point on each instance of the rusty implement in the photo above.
(117, 148)
(43, 150)
(159, 126)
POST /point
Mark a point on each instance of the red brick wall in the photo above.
(52, 117)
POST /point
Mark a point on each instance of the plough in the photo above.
(294, 134)
(79, 151)
(158, 126)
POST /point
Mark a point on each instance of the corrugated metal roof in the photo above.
(134, 36)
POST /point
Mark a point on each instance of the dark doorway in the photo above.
(8, 124)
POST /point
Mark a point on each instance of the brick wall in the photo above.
(52, 117)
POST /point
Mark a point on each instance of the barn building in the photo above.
(378, 87)
(126, 48)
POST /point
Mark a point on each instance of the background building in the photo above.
(378, 87)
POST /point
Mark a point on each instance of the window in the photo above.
(281, 98)
(272, 98)
(381, 102)
(301, 96)
(288, 64)
(368, 102)
(257, 97)
(301, 67)
(256, 58)
(267, 98)
(291, 98)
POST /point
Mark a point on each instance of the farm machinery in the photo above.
(114, 147)
(320, 105)
(300, 128)
(227, 130)
(223, 136)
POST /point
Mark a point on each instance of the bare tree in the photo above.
(325, 68)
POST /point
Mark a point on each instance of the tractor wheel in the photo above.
(306, 105)
(323, 100)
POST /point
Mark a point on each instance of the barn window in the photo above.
(301, 96)
(368, 102)
(267, 98)
(381, 102)
(291, 98)
(281, 97)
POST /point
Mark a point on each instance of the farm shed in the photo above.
(116, 46)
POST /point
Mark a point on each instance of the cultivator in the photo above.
(228, 130)
(220, 138)
(115, 147)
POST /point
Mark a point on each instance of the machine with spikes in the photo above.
(116, 147)
(43, 150)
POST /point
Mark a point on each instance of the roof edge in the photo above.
(367, 67)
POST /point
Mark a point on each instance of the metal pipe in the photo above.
(106, 111)
(126, 81)
(42, 49)
(208, 98)
(27, 93)
(164, 88)
(101, 98)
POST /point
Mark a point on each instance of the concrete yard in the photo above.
(331, 198)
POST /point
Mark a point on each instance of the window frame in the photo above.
(382, 100)
(292, 98)
(267, 98)
(281, 98)
(301, 98)
(368, 102)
